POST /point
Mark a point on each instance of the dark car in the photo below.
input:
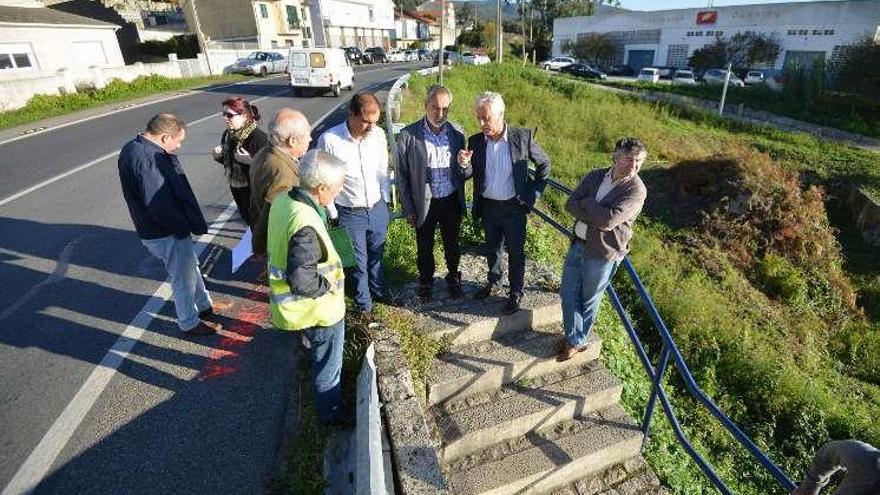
(449, 58)
(621, 70)
(583, 70)
(356, 56)
(423, 54)
(377, 54)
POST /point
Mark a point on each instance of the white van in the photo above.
(320, 68)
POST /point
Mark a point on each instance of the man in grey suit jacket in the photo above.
(503, 191)
(430, 184)
(605, 205)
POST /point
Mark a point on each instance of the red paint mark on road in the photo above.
(246, 321)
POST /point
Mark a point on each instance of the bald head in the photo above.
(290, 130)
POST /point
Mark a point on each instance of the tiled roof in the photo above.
(41, 15)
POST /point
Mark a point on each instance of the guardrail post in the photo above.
(655, 390)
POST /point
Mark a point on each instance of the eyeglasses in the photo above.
(229, 115)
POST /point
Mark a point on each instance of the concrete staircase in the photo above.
(508, 417)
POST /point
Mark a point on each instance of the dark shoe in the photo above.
(425, 293)
(569, 352)
(512, 305)
(216, 307)
(204, 328)
(455, 291)
(485, 292)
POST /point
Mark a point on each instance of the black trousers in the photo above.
(242, 197)
(505, 224)
(445, 212)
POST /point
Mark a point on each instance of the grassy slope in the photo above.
(43, 106)
(765, 363)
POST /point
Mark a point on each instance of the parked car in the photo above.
(396, 56)
(556, 63)
(260, 64)
(583, 70)
(356, 56)
(649, 74)
(717, 76)
(325, 69)
(411, 55)
(378, 55)
(621, 70)
(449, 58)
(754, 77)
(683, 78)
(474, 58)
(422, 53)
(666, 72)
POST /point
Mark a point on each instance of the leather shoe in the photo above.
(204, 328)
(455, 291)
(569, 352)
(485, 292)
(425, 294)
(512, 305)
(216, 307)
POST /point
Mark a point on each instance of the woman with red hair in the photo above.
(240, 143)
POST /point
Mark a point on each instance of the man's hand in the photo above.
(411, 219)
(242, 156)
(464, 158)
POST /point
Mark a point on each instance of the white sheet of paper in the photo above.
(242, 251)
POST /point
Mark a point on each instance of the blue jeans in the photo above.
(367, 228)
(187, 285)
(325, 356)
(584, 278)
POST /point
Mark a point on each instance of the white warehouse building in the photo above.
(806, 31)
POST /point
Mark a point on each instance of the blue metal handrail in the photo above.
(670, 350)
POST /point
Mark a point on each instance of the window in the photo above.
(264, 11)
(792, 32)
(719, 33)
(802, 32)
(817, 32)
(16, 56)
(292, 17)
(371, 15)
(307, 32)
(710, 33)
(317, 61)
(304, 16)
(829, 32)
(698, 33)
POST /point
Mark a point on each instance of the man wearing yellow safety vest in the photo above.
(305, 274)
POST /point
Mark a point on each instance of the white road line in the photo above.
(40, 460)
(119, 110)
(96, 161)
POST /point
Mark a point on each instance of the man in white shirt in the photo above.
(605, 205)
(362, 205)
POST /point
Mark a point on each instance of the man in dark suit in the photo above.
(430, 184)
(503, 191)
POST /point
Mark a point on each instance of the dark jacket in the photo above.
(256, 141)
(274, 172)
(411, 163)
(610, 221)
(159, 197)
(304, 252)
(523, 149)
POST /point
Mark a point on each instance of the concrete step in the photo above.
(631, 477)
(546, 460)
(472, 424)
(486, 366)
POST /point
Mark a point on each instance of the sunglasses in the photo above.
(230, 115)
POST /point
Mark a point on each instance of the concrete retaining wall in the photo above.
(866, 212)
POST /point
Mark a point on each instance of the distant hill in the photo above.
(485, 9)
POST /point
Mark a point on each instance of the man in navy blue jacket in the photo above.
(166, 214)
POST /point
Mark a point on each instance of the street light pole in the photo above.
(440, 53)
(499, 55)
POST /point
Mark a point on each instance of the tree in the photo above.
(473, 38)
(595, 48)
(742, 51)
(546, 11)
(465, 15)
(858, 68)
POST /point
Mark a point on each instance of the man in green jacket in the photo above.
(306, 290)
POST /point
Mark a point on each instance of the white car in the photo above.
(411, 56)
(754, 77)
(683, 78)
(557, 63)
(475, 59)
(649, 74)
(717, 76)
(396, 56)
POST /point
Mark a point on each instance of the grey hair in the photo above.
(319, 168)
(437, 89)
(288, 123)
(494, 100)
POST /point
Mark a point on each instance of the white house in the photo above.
(35, 40)
(806, 31)
(361, 23)
(411, 27)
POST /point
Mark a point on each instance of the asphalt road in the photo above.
(83, 410)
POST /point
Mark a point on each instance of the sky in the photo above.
(687, 4)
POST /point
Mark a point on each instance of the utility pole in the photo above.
(724, 91)
(440, 60)
(499, 51)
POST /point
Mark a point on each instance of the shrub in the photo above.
(781, 279)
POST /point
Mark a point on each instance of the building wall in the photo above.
(799, 27)
(363, 23)
(82, 47)
(222, 19)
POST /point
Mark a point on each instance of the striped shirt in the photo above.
(439, 156)
(499, 169)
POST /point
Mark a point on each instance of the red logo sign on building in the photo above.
(707, 17)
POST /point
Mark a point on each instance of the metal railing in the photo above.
(657, 374)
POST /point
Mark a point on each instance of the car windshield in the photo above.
(646, 72)
(684, 75)
(258, 55)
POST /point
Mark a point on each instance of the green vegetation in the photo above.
(768, 306)
(842, 111)
(44, 106)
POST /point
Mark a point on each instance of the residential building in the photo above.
(250, 24)
(806, 31)
(361, 23)
(411, 27)
(35, 40)
(450, 32)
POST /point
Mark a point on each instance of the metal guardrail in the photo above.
(670, 350)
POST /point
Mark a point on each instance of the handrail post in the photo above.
(655, 391)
